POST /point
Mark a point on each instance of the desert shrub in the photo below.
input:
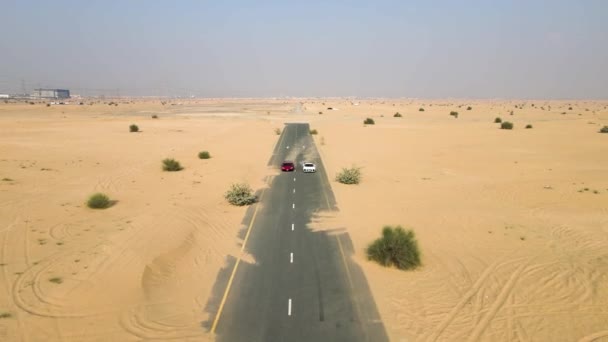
(277, 131)
(528, 126)
(240, 194)
(369, 121)
(320, 113)
(454, 114)
(98, 201)
(569, 108)
(133, 128)
(204, 155)
(5, 315)
(349, 175)
(396, 247)
(48, 104)
(313, 132)
(604, 129)
(171, 165)
(469, 108)
(397, 115)
(506, 125)
(56, 280)
(421, 109)
(154, 116)
(511, 113)
(497, 120)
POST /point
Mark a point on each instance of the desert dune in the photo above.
(512, 224)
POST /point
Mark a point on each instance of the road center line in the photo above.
(291, 258)
(293, 206)
(289, 307)
(294, 179)
(294, 190)
(292, 226)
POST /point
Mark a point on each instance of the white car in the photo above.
(309, 167)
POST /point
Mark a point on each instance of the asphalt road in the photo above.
(303, 285)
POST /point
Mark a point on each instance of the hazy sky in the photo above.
(473, 49)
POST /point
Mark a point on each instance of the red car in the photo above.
(288, 166)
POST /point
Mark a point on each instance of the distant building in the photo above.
(52, 93)
(4, 96)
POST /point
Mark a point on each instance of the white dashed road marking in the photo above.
(294, 190)
(289, 307)
(291, 258)
(293, 206)
(292, 226)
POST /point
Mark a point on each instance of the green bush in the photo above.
(133, 128)
(369, 121)
(528, 126)
(604, 129)
(396, 247)
(204, 155)
(421, 109)
(56, 280)
(240, 194)
(98, 201)
(454, 114)
(313, 132)
(497, 120)
(349, 175)
(506, 125)
(397, 115)
(171, 165)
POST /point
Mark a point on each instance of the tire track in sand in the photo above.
(498, 303)
(9, 291)
(464, 300)
(594, 337)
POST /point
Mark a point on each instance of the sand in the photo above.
(513, 246)
(143, 268)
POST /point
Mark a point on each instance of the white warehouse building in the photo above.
(52, 93)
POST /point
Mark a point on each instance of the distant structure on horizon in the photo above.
(51, 93)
